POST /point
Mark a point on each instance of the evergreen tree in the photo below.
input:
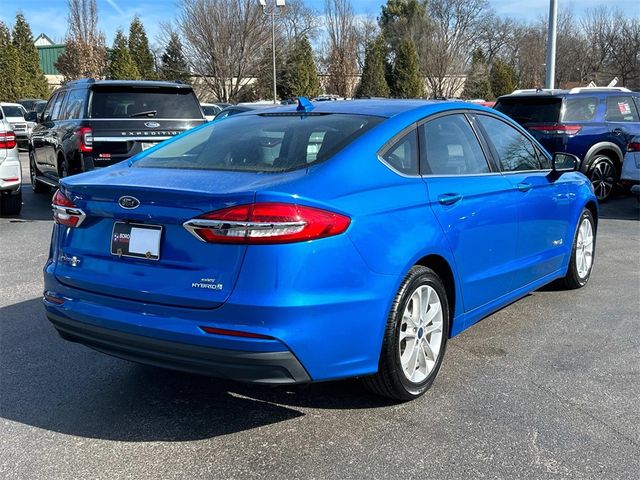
(11, 83)
(502, 78)
(263, 87)
(174, 64)
(139, 48)
(373, 82)
(35, 84)
(300, 77)
(406, 72)
(121, 63)
(477, 84)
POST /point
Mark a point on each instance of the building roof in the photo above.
(43, 41)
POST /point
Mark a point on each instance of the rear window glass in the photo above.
(11, 111)
(619, 109)
(144, 103)
(579, 109)
(261, 143)
(210, 110)
(531, 110)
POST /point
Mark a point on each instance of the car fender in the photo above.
(597, 148)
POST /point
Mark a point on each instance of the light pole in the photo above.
(550, 77)
(272, 11)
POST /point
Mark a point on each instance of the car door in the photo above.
(474, 204)
(544, 200)
(622, 119)
(39, 134)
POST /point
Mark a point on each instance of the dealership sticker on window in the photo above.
(624, 107)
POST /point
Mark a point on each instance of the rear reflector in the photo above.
(7, 140)
(11, 179)
(65, 212)
(267, 223)
(235, 333)
(51, 298)
(556, 129)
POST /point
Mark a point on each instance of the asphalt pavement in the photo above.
(548, 387)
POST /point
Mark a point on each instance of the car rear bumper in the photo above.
(249, 366)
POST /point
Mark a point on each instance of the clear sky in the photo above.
(49, 16)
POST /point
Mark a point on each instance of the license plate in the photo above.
(136, 240)
(146, 145)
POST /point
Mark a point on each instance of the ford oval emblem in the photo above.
(151, 124)
(129, 202)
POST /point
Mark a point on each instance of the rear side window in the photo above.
(133, 102)
(261, 143)
(531, 109)
(581, 109)
(402, 155)
(515, 151)
(451, 147)
(57, 106)
(621, 109)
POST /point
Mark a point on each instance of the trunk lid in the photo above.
(189, 272)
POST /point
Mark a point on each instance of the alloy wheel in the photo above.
(603, 178)
(584, 248)
(420, 335)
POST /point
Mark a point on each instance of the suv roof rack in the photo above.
(598, 89)
(536, 90)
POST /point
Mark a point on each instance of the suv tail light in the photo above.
(556, 129)
(7, 140)
(633, 147)
(85, 135)
(267, 223)
(65, 212)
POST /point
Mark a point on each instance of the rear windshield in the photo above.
(261, 143)
(132, 102)
(11, 111)
(531, 110)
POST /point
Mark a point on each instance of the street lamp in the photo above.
(550, 77)
(272, 11)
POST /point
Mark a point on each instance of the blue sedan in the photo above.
(316, 242)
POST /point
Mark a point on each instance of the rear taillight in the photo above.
(7, 140)
(85, 134)
(267, 223)
(556, 129)
(633, 147)
(65, 212)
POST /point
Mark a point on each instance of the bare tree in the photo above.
(342, 44)
(297, 20)
(224, 41)
(448, 46)
(85, 53)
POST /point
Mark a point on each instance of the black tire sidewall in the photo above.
(422, 277)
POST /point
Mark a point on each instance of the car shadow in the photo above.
(68, 388)
(35, 207)
(620, 207)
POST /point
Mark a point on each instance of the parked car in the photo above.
(631, 166)
(38, 106)
(596, 124)
(238, 251)
(90, 124)
(241, 108)
(15, 113)
(210, 110)
(30, 103)
(10, 171)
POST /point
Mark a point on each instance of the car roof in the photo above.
(574, 92)
(10, 104)
(381, 108)
(124, 83)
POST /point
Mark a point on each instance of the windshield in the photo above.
(531, 109)
(134, 102)
(261, 143)
(13, 111)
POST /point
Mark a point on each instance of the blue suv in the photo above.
(595, 124)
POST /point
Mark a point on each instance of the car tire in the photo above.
(401, 375)
(582, 252)
(36, 186)
(603, 176)
(11, 204)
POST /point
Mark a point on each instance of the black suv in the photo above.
(95, 123)
(595, 124)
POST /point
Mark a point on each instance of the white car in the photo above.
(10, 171)
(210, 110)
(14, 113)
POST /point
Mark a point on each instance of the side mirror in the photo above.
(31, 117)
(564, 162)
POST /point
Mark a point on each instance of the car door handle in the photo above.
(524, 187)
(449, 198)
